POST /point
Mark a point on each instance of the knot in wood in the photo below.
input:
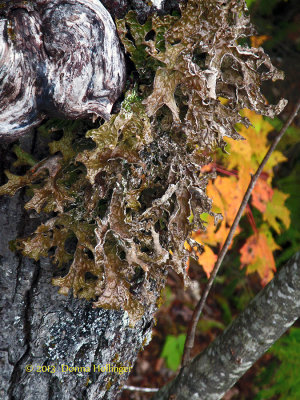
(58, 58)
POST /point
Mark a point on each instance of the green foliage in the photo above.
(285, 381)
(173, 350)
(250, 3)
(207, 324)
(266, 6)
(290, 239)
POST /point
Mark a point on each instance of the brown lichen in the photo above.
(133, 200)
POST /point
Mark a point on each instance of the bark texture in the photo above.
(118, 8)
(212, 373)
(40, 327)
(57, 58)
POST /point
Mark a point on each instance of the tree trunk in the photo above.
(39, 327)
(213, 372)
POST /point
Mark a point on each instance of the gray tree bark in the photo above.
(213, 372)
(39, 327)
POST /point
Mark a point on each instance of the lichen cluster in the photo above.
(131, 195)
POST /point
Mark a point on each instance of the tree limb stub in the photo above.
(213, 372)
(58, 58)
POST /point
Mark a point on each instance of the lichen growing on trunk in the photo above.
(132, 195)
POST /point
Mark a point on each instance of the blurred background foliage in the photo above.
(276, 375)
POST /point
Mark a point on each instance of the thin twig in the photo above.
(140, 389)
(189, 343)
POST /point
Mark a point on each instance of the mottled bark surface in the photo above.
(252, 333)
(118, 8)
(57, 58)
(39, 327)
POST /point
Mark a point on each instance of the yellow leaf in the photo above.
(239, 149)
(276, 210)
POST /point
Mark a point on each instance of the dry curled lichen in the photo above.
(132, 198)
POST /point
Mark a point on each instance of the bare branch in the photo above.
(140, 389)
(213, 372)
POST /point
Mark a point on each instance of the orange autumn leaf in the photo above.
(227, 192)
(257, 256)
(207, 168)
(257, 41)
(227, 195)
(208, 237)
(207, 260)
(262, 194)
(214, 236)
